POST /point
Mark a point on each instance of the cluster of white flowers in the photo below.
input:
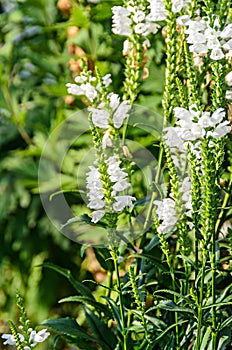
(193, 125)
(101, 117)
(119, 181)
(132, 19)
(111, 112)
(203, 38)
(166, 213)
(186, 195)
(157, 8)
(34, 339)
(83, 87)
(107, 115)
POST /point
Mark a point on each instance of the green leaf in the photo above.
(170, 306)
(224, 339)
(80, 288)
(189, 301)
(80, 343)
(206, 337)
(86, 300)
(151, 258)
(80, 17)
(68, 326)
(82, 218)
(100, 330)
(216, 305)
(104, 258)
(115, 312)
(167, 331)
(226, 323)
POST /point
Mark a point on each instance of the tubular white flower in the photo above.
(95, 191)
(97, 215)
(229, 78)
(133, 19)
(10, 340)
(121, 185)
(121, 21)
(178, 5)
(167, 214)
(221, 130)
(193, 125)
(99, 117)
(121, 202)
(203, 38)
(121, 114)
(83, 87)
(157, 10)
(107, 80)
(106, 140)
(114, 100)
(38, 337)
(229, 94)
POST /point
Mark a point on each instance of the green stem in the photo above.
(224, 204)
(114, 253)
(213, 269)
(165, 250)
(153, 196)
(200, 302)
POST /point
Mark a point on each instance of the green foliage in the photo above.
(176, 294)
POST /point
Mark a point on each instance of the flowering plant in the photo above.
(169, 284)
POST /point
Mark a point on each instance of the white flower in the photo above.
(229, 94)
(114, 100)
(217, 54)
(107, 80)
(74, 89)
(183, 20)
(38, 337)
(95, 191)
(157, 10)
(106, 140)
(227, 32)
(172, 138)
(89, 91)
(138, 16)
(121, 113)
(96, 203)
(121, 185)
(221, 130)
(192, 125)
(114, 170)
(203, 38)
(121, 21)
(126, 47)
(80, 79)
(218, 116)
(99, 117)
(229, 78)
(133, 19)
(167, 214)
(10, 340)
(85, 89)
(97, 215)
(178, 5)
(122, 202)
